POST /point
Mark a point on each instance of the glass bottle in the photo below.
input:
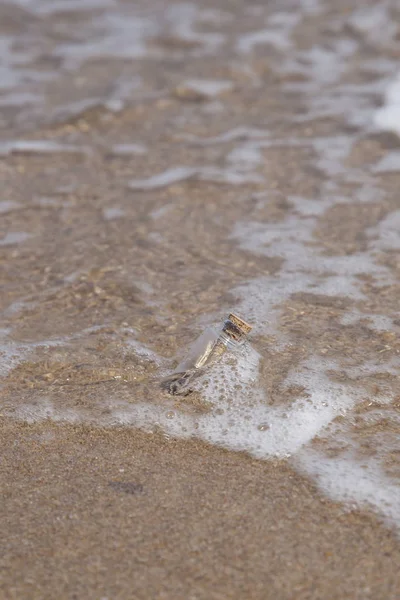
(206, 351)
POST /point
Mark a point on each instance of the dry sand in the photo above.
(92, 513)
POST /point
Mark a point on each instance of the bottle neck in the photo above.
(231, 335)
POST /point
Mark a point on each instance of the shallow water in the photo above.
(151, 187)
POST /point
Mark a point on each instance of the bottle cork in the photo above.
(236, 328)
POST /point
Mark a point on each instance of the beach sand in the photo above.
(92, 513)
(162, 165)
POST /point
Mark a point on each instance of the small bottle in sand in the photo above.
(206, 350)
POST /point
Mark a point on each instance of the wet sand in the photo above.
(223, 158)
(92, 513)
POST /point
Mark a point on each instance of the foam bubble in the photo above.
(7, 206)
(390, 163)
(345, 480)
(386, 235)
(203, 88)
(206, 173)
(388, 116)
(355, 475)
(237, 133)
(40, 147)
(277, 35)
(128, 149)
(164, 179)
(15, 237)
(113, 212)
